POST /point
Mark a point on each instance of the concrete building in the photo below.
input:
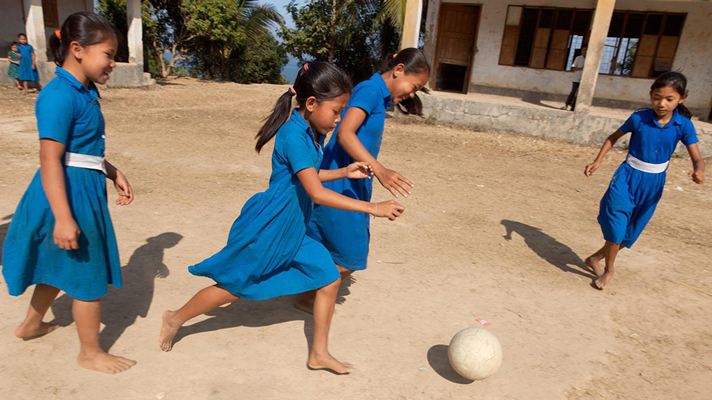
(40, 18)
(504, 56)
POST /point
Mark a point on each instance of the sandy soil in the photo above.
(497, 229)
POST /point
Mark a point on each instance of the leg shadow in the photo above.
(250, 314)
(554, 252)
(439, 362)
(3, 232)
(121, 308)
(345, 289)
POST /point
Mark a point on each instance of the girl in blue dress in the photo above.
(61, 236)
(28, 63)
(637, 185)
(346, 234)
(13, 71)
(268, 253)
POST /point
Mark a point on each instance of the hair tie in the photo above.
(292, 91)
(395, 55)
(306, 66)
(58, 33)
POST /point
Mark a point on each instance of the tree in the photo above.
(345, 32)
(221, 27)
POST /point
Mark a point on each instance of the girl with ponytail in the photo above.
(268, 253)
(358, 137)
(637, 185)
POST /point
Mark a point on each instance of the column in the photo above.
(596, 43)
(411, 23)
(135, 36)
(35, 28)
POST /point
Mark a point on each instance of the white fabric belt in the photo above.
(85, 161)
(646, 167)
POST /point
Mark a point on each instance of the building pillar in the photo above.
(35, 28)
(596, 44)
(135, 36)
(411, 23)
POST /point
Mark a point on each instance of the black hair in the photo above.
(414, 62)
(678, 83)
(320, 80)
(14, 43)
(21, 34)
(85, 28)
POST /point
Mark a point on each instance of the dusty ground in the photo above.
(497, 228)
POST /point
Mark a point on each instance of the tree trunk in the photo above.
(332, 39)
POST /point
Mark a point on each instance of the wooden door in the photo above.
(457, 36)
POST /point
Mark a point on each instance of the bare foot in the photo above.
(168, 331)
(328, 363)
(595, 266)
(603, 281)
(28, 331)
(105, 362)
(305, 303)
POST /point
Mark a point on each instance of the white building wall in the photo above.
(693, 57)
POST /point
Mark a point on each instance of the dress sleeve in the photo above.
(366, 98)
(689, 136)
(629, 125)
(295, 148)
(32, 49)
(55, 115)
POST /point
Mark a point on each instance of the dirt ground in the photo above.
(497, 228)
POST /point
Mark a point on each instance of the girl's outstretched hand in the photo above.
(591, 168)
(388, 209)
(697, 177)
(123, 187)
(359, 170)
(66, 234)
(394, 182)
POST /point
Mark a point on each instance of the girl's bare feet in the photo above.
(328, 363)
(595, 266)
(603, 280)
(105, 362)
(168, 331)
(27, 331)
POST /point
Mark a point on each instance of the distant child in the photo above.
(61, 236)
(28, 63)
(268, 253)
(346, 234)
(13, 56)
(637, 185)
(577, 68)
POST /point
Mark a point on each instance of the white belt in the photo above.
(85, 161)
(646, 167)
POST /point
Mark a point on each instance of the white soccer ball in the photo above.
(475, 353)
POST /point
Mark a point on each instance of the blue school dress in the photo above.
(268, 253)
(69, 113)
(26, 71)
(13, 71)
(346, 234)
(633, 194)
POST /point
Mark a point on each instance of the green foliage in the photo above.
(223, 29)
(214, 37)
(260, 63)
(350, 33)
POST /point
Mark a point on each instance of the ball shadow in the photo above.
(439, 362)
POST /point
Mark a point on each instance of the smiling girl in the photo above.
(61, 236)
(268, 253)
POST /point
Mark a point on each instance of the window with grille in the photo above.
(639, 44)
